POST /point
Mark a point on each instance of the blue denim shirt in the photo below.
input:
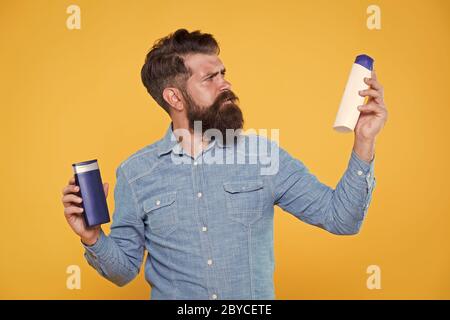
(208, 226)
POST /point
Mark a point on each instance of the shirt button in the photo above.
(209, 262)
(214, 296)
(195, 163)
(199, 194)
(204, 229)
(158, 202)
(359, 172)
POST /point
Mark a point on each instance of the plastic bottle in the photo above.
(87, 177)
(348, 113)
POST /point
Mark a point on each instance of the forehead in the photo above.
(202, 64)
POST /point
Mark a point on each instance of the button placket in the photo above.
(201, 207)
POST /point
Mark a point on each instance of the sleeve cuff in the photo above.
(361, 174)
(99, 248)
(360, 169)
(362, 163)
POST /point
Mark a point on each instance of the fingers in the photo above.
(372, 107)
(73, 210)
(105, 189)
(373, 83)
(376, 90)
(70, 189)
(71, 198)
(371, 93)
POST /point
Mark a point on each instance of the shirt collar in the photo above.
(169, 143)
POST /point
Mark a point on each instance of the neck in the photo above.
(192, 142)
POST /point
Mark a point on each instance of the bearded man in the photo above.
(207, 226)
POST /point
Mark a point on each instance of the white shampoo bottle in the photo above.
(348, 113)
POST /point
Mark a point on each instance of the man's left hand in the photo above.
(374, 113)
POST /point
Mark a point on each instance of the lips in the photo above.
(229, 100)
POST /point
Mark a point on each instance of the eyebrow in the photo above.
(213, 74)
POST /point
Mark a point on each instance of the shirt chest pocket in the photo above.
(244, 200)
(161, 213)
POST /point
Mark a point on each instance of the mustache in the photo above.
(224, 96)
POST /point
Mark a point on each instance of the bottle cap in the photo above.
(85, 166)
(365, 61)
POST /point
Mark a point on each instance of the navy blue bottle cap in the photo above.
(365, 61)
(85, 166)
(84, 163)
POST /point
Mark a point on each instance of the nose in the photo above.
(225, 85)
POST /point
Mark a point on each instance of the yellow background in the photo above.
(72, 95)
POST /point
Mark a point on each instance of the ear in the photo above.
(173, 97)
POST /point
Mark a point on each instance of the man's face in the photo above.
(208, 95)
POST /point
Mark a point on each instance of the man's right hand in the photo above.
(71, 201)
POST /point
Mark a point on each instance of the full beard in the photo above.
(224, 114)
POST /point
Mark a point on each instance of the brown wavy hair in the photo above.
(164, 64)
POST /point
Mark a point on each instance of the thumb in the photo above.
(106, 188)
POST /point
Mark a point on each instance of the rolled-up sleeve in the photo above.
(340, 210)
(118, 257)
